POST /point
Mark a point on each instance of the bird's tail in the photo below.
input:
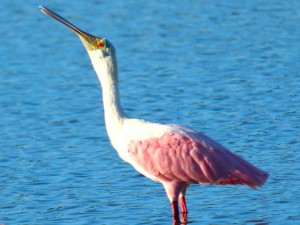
(246, 174)
(254, 178)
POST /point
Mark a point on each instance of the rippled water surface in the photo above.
(227, 68)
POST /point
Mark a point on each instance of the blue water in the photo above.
(227, 68)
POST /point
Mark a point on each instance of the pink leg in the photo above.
(184, 209)
(183, 204)
(176, 190)
(175, 211)
(173, 190)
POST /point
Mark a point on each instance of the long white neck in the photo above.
(106, 69)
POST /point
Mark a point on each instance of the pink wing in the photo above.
(185, 155)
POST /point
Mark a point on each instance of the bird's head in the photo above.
(97, 47)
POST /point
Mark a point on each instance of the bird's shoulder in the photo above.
(140, 136)
(136, 130)
(142, 130)
(163, 137)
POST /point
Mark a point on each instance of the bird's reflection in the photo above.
(258, 222)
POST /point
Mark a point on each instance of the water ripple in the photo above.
(228, 69)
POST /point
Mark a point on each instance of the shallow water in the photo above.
(228, 69)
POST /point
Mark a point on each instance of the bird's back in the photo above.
(182, 154)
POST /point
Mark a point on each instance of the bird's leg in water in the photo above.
(175, 211)
(183, 208)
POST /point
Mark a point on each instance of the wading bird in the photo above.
(173, 155)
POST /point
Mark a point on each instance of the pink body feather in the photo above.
(183, 155)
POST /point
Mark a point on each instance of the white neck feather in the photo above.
(106, 69)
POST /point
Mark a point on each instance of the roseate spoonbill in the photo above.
(173, 155)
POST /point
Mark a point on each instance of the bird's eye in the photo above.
(100, 43)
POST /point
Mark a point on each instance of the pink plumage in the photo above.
(185, 155)
(182, 156)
